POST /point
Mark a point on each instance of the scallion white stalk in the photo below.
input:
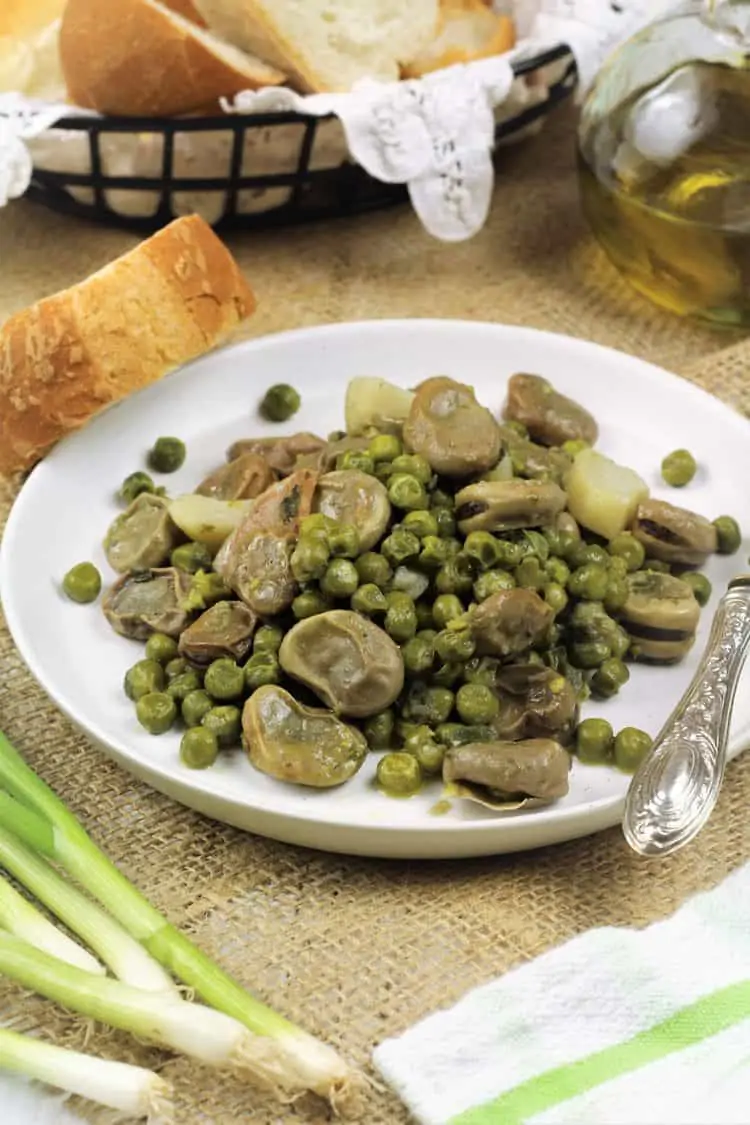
(192, 1029)
(19, 917)
(282, 1054)
(126, 957)
(128, 1089)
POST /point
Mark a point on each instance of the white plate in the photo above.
(67, 503)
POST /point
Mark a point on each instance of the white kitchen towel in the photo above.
(617, 1027)
(22, 1103)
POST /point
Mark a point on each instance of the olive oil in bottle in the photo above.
(665, 176)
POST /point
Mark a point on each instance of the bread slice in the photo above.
(467, 30)
(327, 45)
(64, 359)
(25, 17)
(136, 57)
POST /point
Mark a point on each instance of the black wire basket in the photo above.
(307, 177)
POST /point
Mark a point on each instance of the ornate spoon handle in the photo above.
(675, 789)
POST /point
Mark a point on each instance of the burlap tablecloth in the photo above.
(357, 950)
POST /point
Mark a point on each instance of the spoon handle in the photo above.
(676, 787)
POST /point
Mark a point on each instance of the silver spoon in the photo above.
(676, 787)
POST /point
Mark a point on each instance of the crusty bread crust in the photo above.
(187, 9)
(136, 57)
(63, 360)
(466, 31)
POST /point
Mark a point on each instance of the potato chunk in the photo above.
(602, 495)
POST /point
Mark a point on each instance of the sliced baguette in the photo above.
(64, 359)
(136, 57)
(187, 9)
(327, 45)
(467, 30)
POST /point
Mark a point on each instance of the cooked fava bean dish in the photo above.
(428, 595)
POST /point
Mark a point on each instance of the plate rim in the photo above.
(608, 808)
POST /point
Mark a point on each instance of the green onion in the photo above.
(278, 1052)
(126, 958)
(128, 1089)
(202, 1033)
(19, 917)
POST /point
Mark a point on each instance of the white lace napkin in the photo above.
(434, 134)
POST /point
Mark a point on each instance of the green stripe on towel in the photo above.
(706, 1017)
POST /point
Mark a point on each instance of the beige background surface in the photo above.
(357, 950)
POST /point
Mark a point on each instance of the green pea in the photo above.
(678, 468)
(226, 724)
(449, 674)
(144, 678)
(557, 570)
(340, 579)
(446, 522)
(517, 427)
(191, 557)
(224, 680)
(529, 574)
(181, 686)
(401, 618)
(435, 552)
(167, 455)
(626, 546)
(631, 747)
(206, 589)
(317, 526)
(728, 534)
(574, 447)
(310, 559)
(280, 403)
(413, 465)
(476, 703)
(590, 554)
(156, 712)
(439, 498)
(175, 667)
(617, 593)
(268, 639)
(430, 755)
(357, 460)
(658, 565)
(399, 774)
(418, 655)
(428, 705)
(510, 554)
(618, 567)
(400, 545)
(447, 608)
(199, 748)
(373, 568)
(555, 597)
(406, 492)
(195, 706)
(590, 582)
(309, 604)
(594, 741)
(379, 730)
(700, 585)
(483, 548)
(82, 583)
(455, 576)
(455, 645)
(262, 668)
(421, 523)
(415, 734)
(385, 447)
(161, 648)
(609, 678)
(482, 670)
(492, 582)
(134, 486)
(589, 654)
(369, 600)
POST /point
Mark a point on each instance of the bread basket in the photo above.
(256, 170)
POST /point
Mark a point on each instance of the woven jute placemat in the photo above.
(357, 950)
